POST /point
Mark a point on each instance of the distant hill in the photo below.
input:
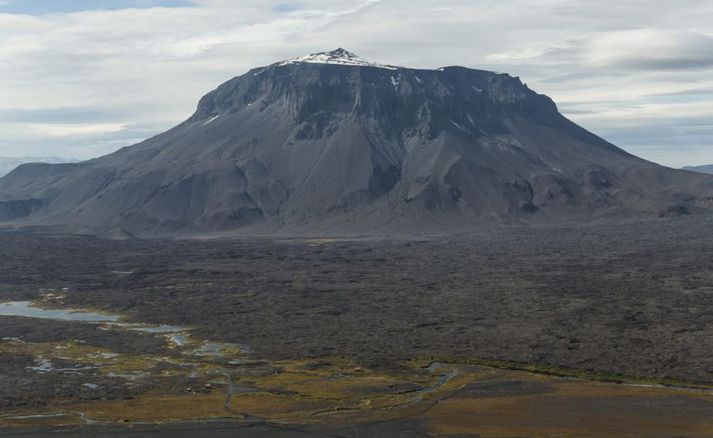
(701, 169)
(332, 143)
(9, 163)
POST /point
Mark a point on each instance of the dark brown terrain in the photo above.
(629, 298)
(613, 302)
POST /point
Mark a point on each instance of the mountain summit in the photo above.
(336, 57)
(331, 142)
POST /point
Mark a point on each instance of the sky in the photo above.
(81, 78)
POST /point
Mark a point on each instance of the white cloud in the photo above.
(650, 49)
(61, 130)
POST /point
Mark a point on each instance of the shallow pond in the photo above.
(175, 335)
(26, 309)
(29, 310)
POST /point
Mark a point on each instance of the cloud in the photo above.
(701, 92)
(650, 49)
(63, 130)
(141, 70)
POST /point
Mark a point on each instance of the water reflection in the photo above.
(26, 309)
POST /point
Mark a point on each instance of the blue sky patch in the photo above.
(287, 7)
(40, 7)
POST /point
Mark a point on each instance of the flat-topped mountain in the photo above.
(333, 143)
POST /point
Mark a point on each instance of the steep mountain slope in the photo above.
(334, 143)
(702, 169)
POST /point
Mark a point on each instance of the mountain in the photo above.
(9, 163)
(332, 143)
(701, 169)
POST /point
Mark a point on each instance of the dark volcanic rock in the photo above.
(332, 143)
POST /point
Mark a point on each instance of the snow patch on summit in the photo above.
(336, 57)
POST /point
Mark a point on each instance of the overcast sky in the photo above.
(80, 78)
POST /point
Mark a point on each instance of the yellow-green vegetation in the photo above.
(572, 408)
(298, 392)
(282, 391)
(156, 407)
(453, 398)
(195, 379)
(551, 370)
(39, 419)
(65, 350)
